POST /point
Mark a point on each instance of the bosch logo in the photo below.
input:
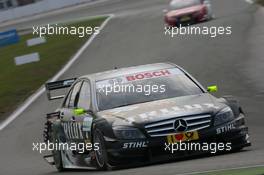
(148, 75)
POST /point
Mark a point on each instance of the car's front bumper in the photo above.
(176, 21)
(234, 133)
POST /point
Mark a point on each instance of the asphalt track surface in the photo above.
(136, 36)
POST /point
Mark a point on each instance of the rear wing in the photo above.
(58, 85)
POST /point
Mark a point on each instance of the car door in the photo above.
(68, 120)
(84, 114)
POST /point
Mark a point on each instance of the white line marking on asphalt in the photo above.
(229, 169)
(39, 92)
(71, 21)
(68, 65)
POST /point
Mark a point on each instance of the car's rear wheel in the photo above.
(100, 153)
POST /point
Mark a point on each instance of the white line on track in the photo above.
(229, 169)
(39, 92)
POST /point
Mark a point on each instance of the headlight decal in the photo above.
(128, 133)
(225, 115)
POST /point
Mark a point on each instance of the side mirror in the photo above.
(212, 89)
(79, 111)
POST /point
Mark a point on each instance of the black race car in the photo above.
(139, 114)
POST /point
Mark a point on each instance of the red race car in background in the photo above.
(186, 12)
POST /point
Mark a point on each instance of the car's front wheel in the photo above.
(100, 152)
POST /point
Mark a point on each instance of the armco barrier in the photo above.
(38, 7)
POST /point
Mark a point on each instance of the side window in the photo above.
(74, 95)
(67, 100)
(85, 96)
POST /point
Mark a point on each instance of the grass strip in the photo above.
(244, 171)
(19, 82)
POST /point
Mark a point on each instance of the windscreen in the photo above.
(180, 4)
(144, 87)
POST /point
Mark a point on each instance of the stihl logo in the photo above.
(135, 145)
(148, 75)
(225, 129)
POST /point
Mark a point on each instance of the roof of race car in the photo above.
(128, 70)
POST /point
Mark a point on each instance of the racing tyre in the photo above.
(100, 154)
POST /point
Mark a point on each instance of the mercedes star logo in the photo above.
(180, 125)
